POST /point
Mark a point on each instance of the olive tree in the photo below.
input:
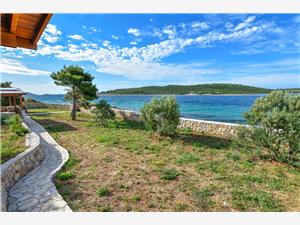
(161, 115)
(78, 83)
(275, 124)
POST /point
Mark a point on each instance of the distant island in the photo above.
(218, 88)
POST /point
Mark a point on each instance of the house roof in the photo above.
(11, 92)
(22, 29)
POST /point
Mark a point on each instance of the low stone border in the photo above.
(36, 191)
(17, 167)
(219, 129)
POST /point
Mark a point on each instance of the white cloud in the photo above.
(199, 25)
(270, 80)
(144, 63)
(115, 37)
(156, 33)
(93, 29)
(143, 70)
(228, 25)
(51, 34)
(170, 30)
(10, 66)
(134, 31)
(244, 24)
(106, 43)
(76, 37)
(41, 88)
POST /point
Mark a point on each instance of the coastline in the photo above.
(227, 108)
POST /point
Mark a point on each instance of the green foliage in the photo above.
(78, 83)
(275, 126)
(6, 84)
(65, 175)
(187, 158)
(72, 161)
(15, 124)
(103, 191)
(169, 174)
(4, 100)
(247, 199)
(104, 209)
(193, 89)
(34, 104)
(202, 198)
(103, 113)
(161, 115)
(135, 198)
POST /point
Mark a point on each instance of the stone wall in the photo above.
(19, 166)
(127, 115)
(219, 129)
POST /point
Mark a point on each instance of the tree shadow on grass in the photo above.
(199, 140)
(56, 126)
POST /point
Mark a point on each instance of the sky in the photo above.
(134, 50)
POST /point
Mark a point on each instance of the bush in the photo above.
(65, 175)
(169, 174)
(103, 112)
(103, 191)
(274, 125)
(161, 115)
(15, 124)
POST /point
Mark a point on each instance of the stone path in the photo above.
(36, 192)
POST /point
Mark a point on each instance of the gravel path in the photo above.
(36, 192)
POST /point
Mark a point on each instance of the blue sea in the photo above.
(223, 108)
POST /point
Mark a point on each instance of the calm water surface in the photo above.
(224, 108)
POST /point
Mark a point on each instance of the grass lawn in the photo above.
(11, 144)
(45, 110)
(124, 167)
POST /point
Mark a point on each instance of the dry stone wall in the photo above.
(17, 167)
(219, 129)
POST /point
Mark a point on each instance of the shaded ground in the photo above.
(123, 167)
(11, 144)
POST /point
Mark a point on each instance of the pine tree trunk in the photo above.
(73, 113)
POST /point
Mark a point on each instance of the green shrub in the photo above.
(161, 115)
(169, 174)
(187, 158)
(103, 191)
(274, 125)
(15, 124)
(103, 113)
(65, 175)
(202, 199)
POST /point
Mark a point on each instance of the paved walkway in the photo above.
(36, 192)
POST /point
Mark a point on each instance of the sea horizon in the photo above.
(228, 108)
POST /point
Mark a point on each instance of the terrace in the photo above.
(11, 100)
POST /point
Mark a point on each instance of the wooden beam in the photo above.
(15, 104)
(11, 40)
(41, 28)
(21, 102)
(26, 43)
(14, 23)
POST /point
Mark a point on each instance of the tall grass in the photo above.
(15, 124)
